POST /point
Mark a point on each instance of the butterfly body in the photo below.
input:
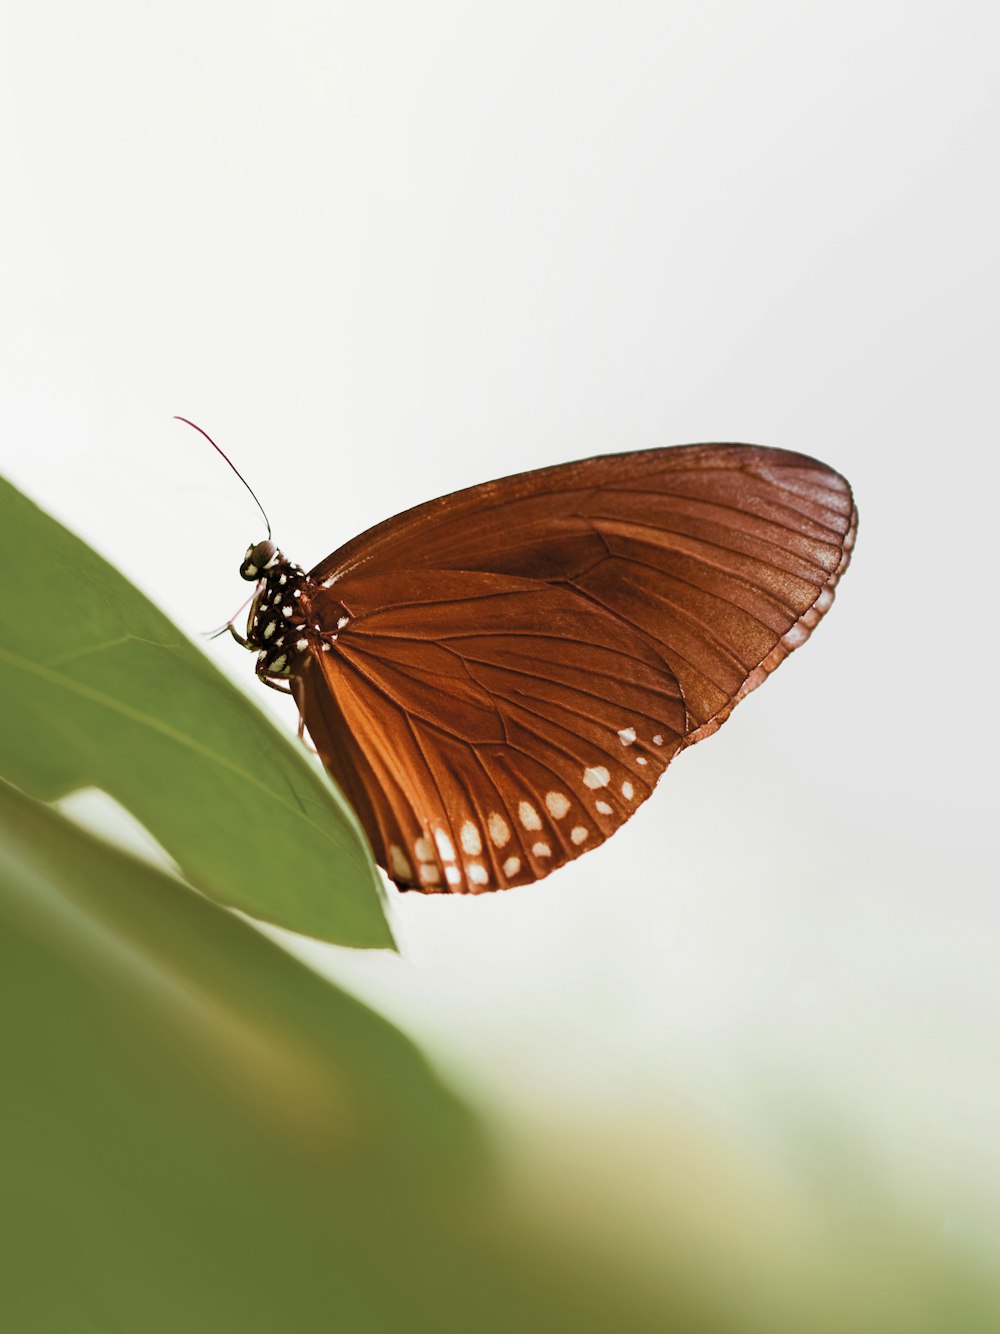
(497, 679)
(279, 626)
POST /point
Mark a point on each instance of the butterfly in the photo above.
(496, 679)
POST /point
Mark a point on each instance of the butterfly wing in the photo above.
(525, 657)
(507, 724)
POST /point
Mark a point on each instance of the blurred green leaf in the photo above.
(197, 1133)
(195, 1127)
(97, 688)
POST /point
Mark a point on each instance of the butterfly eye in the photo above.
(258, 558)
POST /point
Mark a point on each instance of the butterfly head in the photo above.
(260, 558)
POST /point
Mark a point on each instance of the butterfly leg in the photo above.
(243, 643)
(302, 737)
(214, 634)
(273, 685)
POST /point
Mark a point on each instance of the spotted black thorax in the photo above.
(280, 627)
(276, 626)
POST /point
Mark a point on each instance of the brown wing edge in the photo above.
(792, 639)
(369, 548)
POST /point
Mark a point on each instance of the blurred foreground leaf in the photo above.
(97, 688)
(200, 1134)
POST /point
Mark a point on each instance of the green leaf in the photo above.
(98, 688)
(198, 1133)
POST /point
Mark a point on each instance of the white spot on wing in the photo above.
(499, 830)
(453, 875)
(541, 850)
(657, 740)
(397, 861)
(627, 790)
(558, 804)
(301, 643)
(598, 776)
(603, 808)
(445, 846)
(478, 873)
(579, 834)
(472, 843)
(626, 736)
(270, 628)
(511, 866)
(641, 759)
(430, 875)
(424, 849)
(287, 611)
(528, 815)
(342, 621)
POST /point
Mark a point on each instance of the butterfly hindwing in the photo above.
(522, 723)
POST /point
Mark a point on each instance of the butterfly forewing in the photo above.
(516, 664)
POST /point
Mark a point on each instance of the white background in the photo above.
(382, 251)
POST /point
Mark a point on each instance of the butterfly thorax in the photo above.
(278, 626)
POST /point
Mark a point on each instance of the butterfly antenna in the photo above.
(232, 465)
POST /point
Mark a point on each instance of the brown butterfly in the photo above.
(497, 679)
